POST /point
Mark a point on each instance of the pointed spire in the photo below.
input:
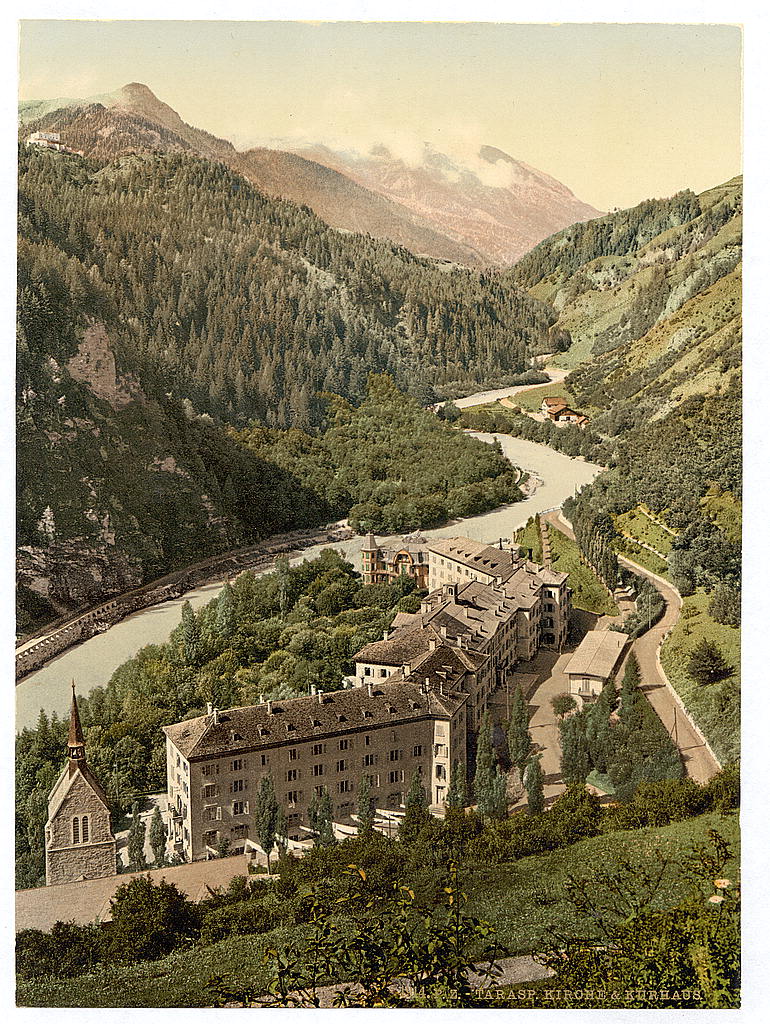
(76, 744)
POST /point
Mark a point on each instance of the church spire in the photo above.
(76, 744)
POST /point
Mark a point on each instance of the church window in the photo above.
(84, 828)
(76, 830)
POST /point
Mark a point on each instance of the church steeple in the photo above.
(76, 744)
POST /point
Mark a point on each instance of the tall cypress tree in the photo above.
(158, 838)
(575, 759)
(266, 817)
(533, 781)
(519, 741)
(321, 819)
(457, 794)
(136, 833)
(226, 618)
(191, 635)
(365, 806)
(483, 780)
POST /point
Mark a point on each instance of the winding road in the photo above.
(699, 759)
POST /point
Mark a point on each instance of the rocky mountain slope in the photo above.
(439, 209)
(652, 300)
(500, 206)
(161, 298)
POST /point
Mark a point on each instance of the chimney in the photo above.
(261, 698)
(385, 634)
(369, 689)
(312, 689)
(432, 644)
(443, 631)
(320, 695)
(209, 709)
(269, 707)
(215, 714)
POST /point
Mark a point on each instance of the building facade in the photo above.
(594, 663)
(381, 564)
(79, 843)
(487, 610)
(386, 731)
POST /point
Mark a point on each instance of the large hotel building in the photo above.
(416, 695)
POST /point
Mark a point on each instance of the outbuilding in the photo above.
(594, 662)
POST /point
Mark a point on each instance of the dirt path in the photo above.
(699, 761)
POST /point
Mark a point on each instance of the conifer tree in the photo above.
(365, 806)
(266, 817)
(321, 818)
(457, 794)
(575, 759)
(707, 665)
(226, 618)
(158, 838)
(416, 809)
(191, 635)
(533, 781)
(136, 834)
(630, 713)
(519, 741)
(483, 780)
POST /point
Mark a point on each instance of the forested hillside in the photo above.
(651, 298)
(161, 298)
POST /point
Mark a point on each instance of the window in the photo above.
(342, 766)
(293, 754)
(396, 776)
(210, 769)
(417, 751)
(236, 765)
(383, 673)
(345, 786)
(374, 781)
(440, 771)
(395, 755)
(240, 807)
(264, 760)
(212, 813)
(367, 671)
(292, 775)
(239, 831)
(318, 769)
(209, 791)
(367, 741)
(343, 745)
(318, 790)
(368, 760)
(318, 749)
(293, 797)
(237, 786)
(76, 830)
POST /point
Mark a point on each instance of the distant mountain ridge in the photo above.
(494, 203)
(440, 208)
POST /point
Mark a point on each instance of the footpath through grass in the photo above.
(522, 899)
(714, 707)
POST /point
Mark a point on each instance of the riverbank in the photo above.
(92, 662)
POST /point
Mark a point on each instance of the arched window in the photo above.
(84, 827)
(76, 830)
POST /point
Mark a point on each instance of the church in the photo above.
(79, 843)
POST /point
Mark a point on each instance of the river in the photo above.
(93, 662)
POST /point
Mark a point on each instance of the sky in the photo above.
(619, 113)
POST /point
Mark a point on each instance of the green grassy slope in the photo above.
(522, 900)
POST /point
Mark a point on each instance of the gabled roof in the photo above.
(237, 730)
(66, 780)
(597, 654)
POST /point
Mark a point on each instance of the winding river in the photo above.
(93, 662)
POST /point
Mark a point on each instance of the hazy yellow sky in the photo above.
(619, 113)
